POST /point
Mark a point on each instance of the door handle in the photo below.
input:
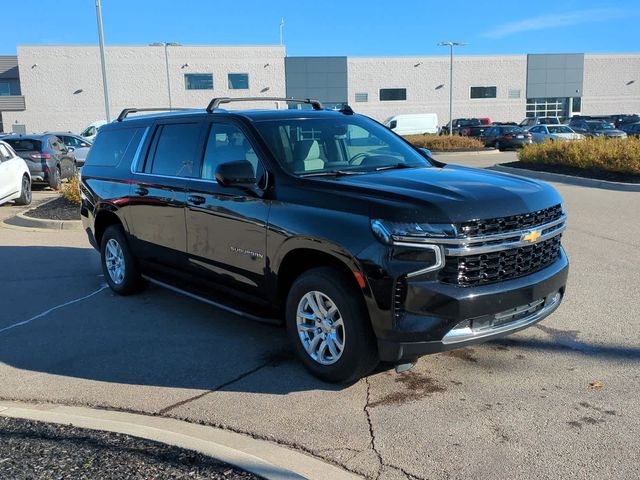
(196, 199)
(142, 191)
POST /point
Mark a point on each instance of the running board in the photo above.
(221, 306)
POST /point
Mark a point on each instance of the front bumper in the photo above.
(440, 317)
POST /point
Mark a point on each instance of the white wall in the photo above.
(605, 84)
(136, 77)
(421, 75)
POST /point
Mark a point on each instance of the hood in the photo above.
(449, 194)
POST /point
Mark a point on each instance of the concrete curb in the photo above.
(569, 179)
(466, 152)
(21, 220)
(266, 459)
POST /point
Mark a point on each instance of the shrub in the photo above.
(71, 189)
(609, 155)
(442, 143)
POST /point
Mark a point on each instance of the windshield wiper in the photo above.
(333, 173)
(396, 166)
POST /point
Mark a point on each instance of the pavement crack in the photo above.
(218, 388)
(372, 434)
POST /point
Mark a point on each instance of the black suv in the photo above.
(368, 248)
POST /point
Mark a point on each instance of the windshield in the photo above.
(469, 122)
(24, 144)
(560, 129)
(599, 126)
(348, 144)
(549, 121)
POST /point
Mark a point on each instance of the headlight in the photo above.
(390, 232)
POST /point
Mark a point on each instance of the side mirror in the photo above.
(71, 149)
(236, 174)
(427, 152)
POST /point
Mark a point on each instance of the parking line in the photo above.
(62, 305)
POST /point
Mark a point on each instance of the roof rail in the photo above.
(127, 111)
(215, 103)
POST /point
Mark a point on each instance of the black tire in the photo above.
(498, 147)
(132, 280)
(55, 179)
(360, 353)
(25, 193)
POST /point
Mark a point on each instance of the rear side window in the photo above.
(111, 145)
(25, 145)
(174, 150)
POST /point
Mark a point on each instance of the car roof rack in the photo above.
(127, 111)
(215, 103)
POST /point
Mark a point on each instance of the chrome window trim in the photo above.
(436, 250)
(136, 156)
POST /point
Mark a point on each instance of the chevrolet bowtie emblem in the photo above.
(532, 236)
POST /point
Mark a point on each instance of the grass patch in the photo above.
(443, 143)
(596, 154)
(71, 189)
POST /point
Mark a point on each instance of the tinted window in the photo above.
(549, 121)
(24, 144)
(175, 149)
(391, 94)
(4, 153)
(226, 143)
(337, 143)
(238, 81)
(483, 92)
(559, 129)
(110, 146)
(198, 81)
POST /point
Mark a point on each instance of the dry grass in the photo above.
(609, 155)
(71, 189)
(443, 143)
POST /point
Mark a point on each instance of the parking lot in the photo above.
(555, 401)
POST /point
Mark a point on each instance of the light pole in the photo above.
(282, 32)
(451, 45)
(166, 46)
(102, 61)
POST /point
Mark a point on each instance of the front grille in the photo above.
(508, 224)
(474, 270)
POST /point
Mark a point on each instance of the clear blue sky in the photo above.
(331, 27)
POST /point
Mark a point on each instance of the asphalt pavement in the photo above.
(554, 401)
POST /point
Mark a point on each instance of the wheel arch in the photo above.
(104, 219)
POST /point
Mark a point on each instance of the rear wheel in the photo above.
(25, 193)
(118, 263)
(55, 179)
(498, 146)
(328, 326)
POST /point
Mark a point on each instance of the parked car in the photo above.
(485, 121)
(631, 129)
(502, 137)
(596, 128)
(78, 145)
(91, 130)
(369, 252)
(540, 133)
(468, 127)
(15, 180)
(413, 124)
(624, 119)
(49, 161)
(529, 122)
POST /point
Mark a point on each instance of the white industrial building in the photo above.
(60, 87)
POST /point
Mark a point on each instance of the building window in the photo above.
(548, 107)
(362, 97)
(198, 81)
(238, 81)
(576, 106)
(514, 93)
(483, 92)
(5, 89)
(392, 94)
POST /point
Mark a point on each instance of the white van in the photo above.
(413, 124)
(92, 130)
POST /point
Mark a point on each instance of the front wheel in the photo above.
(25, 193)
(329, 327)
(55, 179)
(118, 263)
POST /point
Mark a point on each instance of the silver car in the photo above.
(78, 145)
(540, 133)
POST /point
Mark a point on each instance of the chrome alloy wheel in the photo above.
(114, 259)
(320, 328)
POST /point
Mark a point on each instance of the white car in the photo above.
(15, 179)
(540, 133)
(91, 130)
(413, 124)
